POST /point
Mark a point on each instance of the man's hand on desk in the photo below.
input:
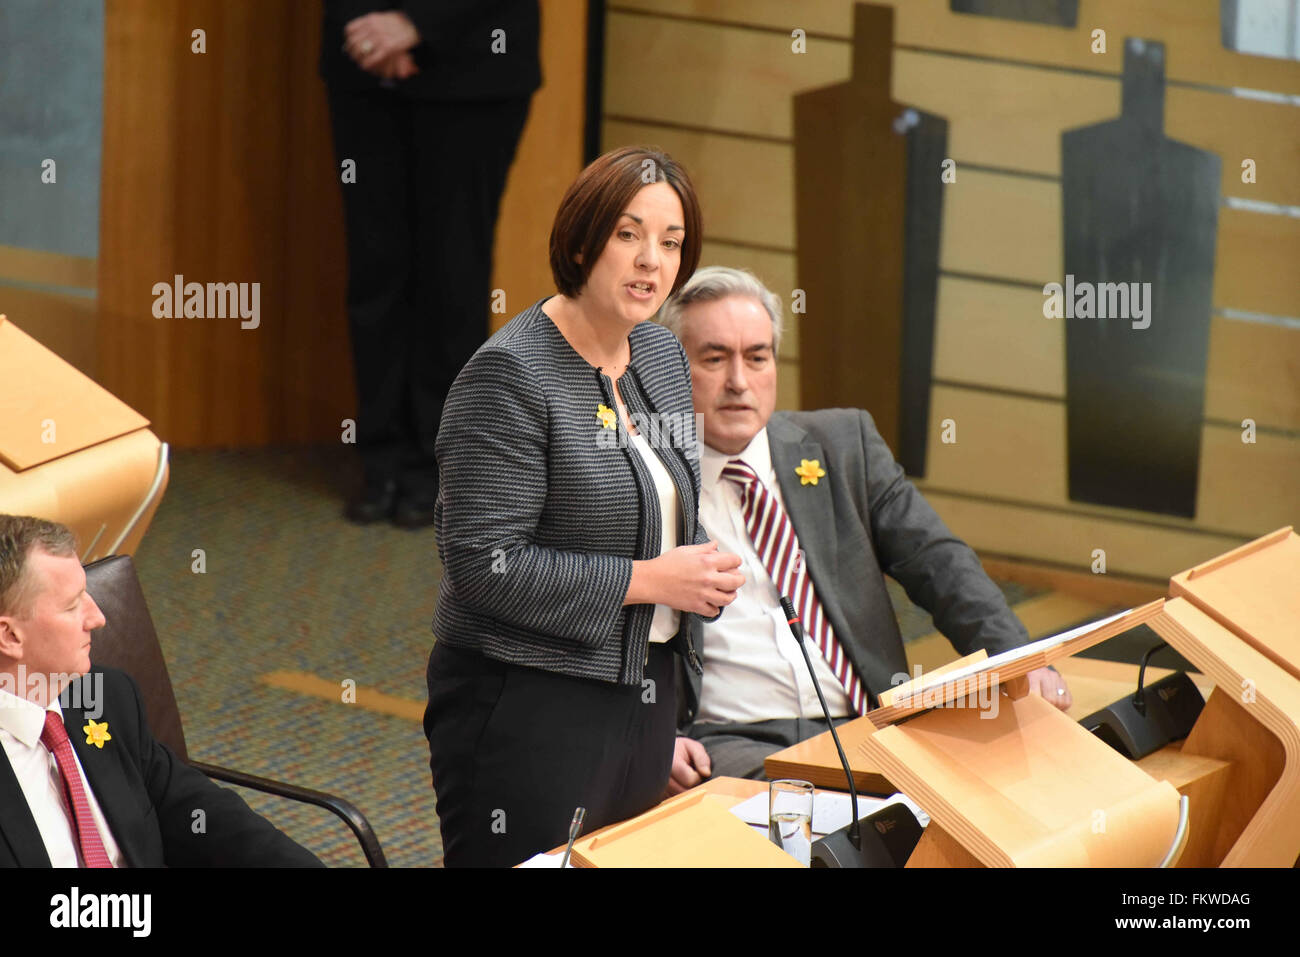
(691, 765)
(1049, 684)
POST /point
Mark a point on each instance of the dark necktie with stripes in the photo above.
(772, 533)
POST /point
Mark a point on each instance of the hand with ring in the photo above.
(1049, 683)
(380, 42)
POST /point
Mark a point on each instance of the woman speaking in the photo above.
(573, 561)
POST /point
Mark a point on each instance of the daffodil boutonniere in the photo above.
(809, 471)
(97, 734)
(607, 416)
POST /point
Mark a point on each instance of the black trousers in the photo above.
(420, 222)
(514, 750)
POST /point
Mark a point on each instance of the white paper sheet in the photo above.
(546, 860)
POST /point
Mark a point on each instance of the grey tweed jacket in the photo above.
(542, 509)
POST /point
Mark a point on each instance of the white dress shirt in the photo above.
(752, 669)
(21, 724)
(666, 619)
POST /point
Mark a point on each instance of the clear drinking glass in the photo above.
(789, 818)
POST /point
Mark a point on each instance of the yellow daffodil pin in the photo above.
(607, 416)
(809, 471)
(97, 734)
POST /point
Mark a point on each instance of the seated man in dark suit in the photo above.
(83, 783)
(819, 512)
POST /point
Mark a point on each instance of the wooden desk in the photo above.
(97, 492)
(1093, 685)
(72, 452)
(726, 791)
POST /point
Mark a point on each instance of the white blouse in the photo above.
(666, 619)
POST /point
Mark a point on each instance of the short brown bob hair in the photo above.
(597, 198)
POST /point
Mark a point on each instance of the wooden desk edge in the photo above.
(739, 788)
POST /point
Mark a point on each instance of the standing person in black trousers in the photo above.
(573, 561)
(427, 100)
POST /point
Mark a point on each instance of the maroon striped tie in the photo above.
(772, 533)
(55, 738)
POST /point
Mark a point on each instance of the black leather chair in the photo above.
(128, 642)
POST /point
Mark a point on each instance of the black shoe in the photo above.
(374, 503)
(414, 513)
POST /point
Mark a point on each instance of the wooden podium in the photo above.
(1237, 618)
(1008, 780)
(1032, 787)
(72, 452)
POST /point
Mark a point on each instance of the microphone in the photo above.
(1143, 723)
(893, 831)
(575, 828)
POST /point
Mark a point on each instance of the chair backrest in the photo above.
(129, 643)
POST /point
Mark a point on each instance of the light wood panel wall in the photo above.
(193, 165)
(711, 82)
(219, 166)
(549, 157)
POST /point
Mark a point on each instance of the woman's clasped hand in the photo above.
(694, 578)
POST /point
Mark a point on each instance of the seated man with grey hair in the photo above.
(819, 512)
(83, 783)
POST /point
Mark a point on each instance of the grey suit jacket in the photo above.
(864, 520)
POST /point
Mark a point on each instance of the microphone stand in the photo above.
(894, 829)
(796, 628)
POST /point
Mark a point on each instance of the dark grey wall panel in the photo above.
(51, 107)
(1138, 208)
(927, 148)
(1061, 13)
